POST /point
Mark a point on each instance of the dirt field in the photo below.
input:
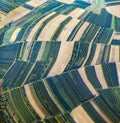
(114, 10)
(76, 13)
(36, 3)
(64, 56)
(86, 81)
(13, 15)
(114, 54)
(100, 76)
(66, 1)
(51, 27)
(81, 31)
(80, 115)
(33, 102)
(67, 30)
(36, 27)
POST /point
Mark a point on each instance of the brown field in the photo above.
(67, 30)
(51, 27)
(76, 13)
(114, 54)
(80, 115)
(13, 15)
(33, 102)
(86, 81)
(100, 76)
(36, 27)
(63, 58)
(36, 3)
(114, 10)
(81, 31)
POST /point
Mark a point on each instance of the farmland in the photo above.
(59, 61)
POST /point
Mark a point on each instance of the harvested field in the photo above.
(81, 31)
(100, 76)
(86, 81)
(67, 30)
(36, 3)
(64, 56)
(66, 1)
(36, 27)
(51, 27)
(114, 10)
(32, 101)
(80, 115)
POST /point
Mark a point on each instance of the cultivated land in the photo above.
(59, 61)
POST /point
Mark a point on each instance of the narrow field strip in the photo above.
(80, 115)
(14, 35)
(86, 81)
(100, 76)
(81, 31)
(118, 71)
(31, 100)
(36, 27)
(66, 1)
(63, 58)
(96, 55)
(51, 27)
(67, 30)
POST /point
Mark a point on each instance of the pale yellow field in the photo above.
(32, 101)
(14, 35)
(13, 15)
(80, 115)
(67, 30)
(86, 81)
(66, 1)
(2, 16)
(81, 31)
(36, 27)
(76, 13)
(100, 112)
(100, 76)
(36, 3)
(63, 58)
(114, 54)
(96, 55)
(51, 27)
(114, 10)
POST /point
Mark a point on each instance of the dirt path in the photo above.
(86, 81)
(81, 31)
(100, 112)
(63, 58)
(33, 103)
(114, 54)
(80, 115)
(51, 27)
(14, 35)
(36, 27)
(100, 76)
(67, 30)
